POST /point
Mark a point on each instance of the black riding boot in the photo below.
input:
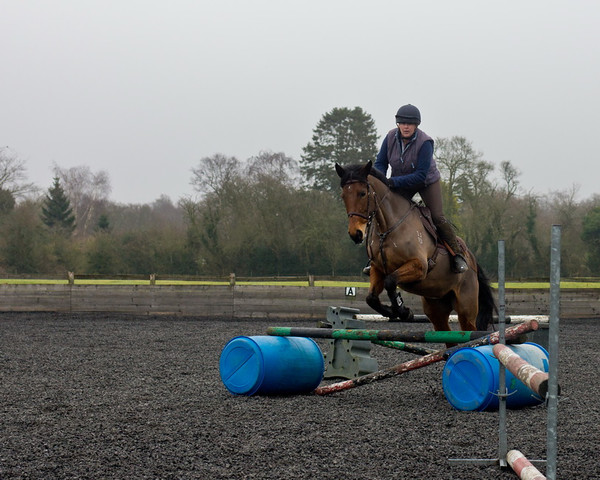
(367, 270)
(447, 234)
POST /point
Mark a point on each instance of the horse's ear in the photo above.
(340, 170)
(367, 168)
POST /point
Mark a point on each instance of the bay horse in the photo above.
(406, 254)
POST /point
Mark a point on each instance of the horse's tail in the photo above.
(487, 304)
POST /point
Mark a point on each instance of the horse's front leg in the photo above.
(377, 284)
(409, 272)
(399, 312)
(375, 289)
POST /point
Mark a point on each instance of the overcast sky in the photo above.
(144, 89)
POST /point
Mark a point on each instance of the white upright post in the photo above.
(502, 435)
(552, 398)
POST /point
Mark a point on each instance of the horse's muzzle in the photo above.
(357, 237)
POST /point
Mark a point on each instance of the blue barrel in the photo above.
(271, 365)
(471, 378)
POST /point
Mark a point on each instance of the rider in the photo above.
(409, 151)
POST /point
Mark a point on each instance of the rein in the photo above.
(382, 236)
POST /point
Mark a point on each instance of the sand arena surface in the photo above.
(114, 396)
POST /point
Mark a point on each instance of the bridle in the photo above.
(371, 214)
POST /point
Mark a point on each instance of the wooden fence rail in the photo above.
(245, 301)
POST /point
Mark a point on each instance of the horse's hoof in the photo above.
(406, 315)
(394, 319)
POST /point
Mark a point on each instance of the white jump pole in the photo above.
(453, 318)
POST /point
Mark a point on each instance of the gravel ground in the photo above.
(113, 396)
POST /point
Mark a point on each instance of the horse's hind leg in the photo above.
(466, 320)
(467, 306)
(438, 312)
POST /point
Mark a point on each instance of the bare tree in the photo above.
(456, 158)
(464, 172)
(274, 165)
(87, 191)
(510, 175)
(13, 177)
(213, 174)
(568, 213)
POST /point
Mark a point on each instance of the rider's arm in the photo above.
(381, 163)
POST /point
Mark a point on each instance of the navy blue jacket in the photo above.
(421, 169)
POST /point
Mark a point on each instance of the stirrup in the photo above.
(367, 270)
(459, 264)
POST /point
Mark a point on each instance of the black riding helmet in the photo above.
(408, 114)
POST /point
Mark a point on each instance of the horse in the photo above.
(406, 254)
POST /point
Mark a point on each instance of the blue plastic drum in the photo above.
(471, 378)
(271, 365)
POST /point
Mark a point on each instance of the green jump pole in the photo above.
(491, 339)
(389, 335)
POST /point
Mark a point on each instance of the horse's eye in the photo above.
(362, 194)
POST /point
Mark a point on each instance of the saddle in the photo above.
(427, 221)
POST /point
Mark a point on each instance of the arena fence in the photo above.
(250, 301)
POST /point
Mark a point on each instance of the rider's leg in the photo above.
(447, 234)
(432, 196)
(367, 270)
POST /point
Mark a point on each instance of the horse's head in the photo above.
(357, 196)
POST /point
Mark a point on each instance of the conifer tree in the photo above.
(7, 201)
(344, 136)
(57, 213)
(103, 224)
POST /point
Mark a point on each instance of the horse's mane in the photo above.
(356, 173)
(378, 175)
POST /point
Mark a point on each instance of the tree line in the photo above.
(274, 215)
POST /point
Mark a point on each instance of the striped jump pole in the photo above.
(387, 335)
(531, 376)
(523, 467)
(493, 338)
(406, 347)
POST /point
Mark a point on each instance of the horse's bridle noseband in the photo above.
(361, 215)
